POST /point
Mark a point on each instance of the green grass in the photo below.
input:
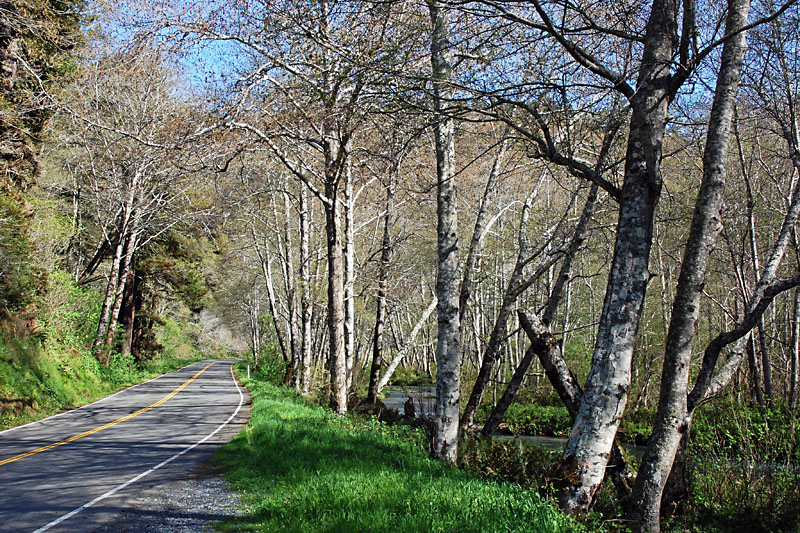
(53, 369)
(302, 468)
(40, 379)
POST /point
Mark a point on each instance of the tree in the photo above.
(119, 127)
(671, 418)
(445, 437)
(36, 41)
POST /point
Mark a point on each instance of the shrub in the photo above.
(511, 460)
(539, 420)
(745, 469)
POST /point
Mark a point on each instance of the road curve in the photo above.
(73, 471)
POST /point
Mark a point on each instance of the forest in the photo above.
(572, 218)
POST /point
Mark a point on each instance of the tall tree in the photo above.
(448, 373)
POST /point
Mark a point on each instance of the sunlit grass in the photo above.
(302, 468)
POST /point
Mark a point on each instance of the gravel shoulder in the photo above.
(187, 496)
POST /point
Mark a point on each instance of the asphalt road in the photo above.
(75, 471)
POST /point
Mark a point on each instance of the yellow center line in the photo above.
(104, 426)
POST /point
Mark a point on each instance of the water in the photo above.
(424, 398)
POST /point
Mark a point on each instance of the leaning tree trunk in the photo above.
(448, 374)
(517, 284)
(589, 447)
(407, 346)
(673, 417)
(481, 223)
(544, 349)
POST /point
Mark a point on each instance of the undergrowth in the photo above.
(52, 368)
(302, 468)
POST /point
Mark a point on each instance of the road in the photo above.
(74, 471)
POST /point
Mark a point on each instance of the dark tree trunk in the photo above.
(380, 311)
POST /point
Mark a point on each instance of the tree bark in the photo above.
(547, 349)
(349, 276)
(448, 374)
(795, 352)
(127, 314)
(305, 293)
(336, 355)
(589, 447)
(673, 417)
(380, 311)
(131, 242)
(108, 301)
(266, 270)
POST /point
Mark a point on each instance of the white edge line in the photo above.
(104, 398)
(143, 474)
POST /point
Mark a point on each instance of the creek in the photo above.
(424, 399)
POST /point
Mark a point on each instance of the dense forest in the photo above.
(574, 218)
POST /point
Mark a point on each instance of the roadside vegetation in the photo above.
(300, 467)
(589, 234)
(46, 362)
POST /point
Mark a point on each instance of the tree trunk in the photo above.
(127, 260)
(266, 268)
(755, 373)
(448, 374)
(305, 293)
(380, 311)
(127, 314)
(407, 345)
(349, 277)
(673, 417)
(480, 229)
(497, 339)
(291, 296)
(606, 393)
(547, 349)
(795, 353)
(336, 355)
(108, 301)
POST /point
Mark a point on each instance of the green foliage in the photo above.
(405, 376)
(54, 369)
(175, 340)
(302, 468)
(636, 426)
(510, 460)
(536, 419)
(745, 469)
(271, 367)
(19, 278)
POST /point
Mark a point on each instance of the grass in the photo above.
(41, 380)
(302, 468)
(51, 368)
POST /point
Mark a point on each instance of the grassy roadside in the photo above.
(37, 382)
(302, 468)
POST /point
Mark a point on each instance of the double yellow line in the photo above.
(105, 426)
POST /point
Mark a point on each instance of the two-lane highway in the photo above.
(55, 471)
